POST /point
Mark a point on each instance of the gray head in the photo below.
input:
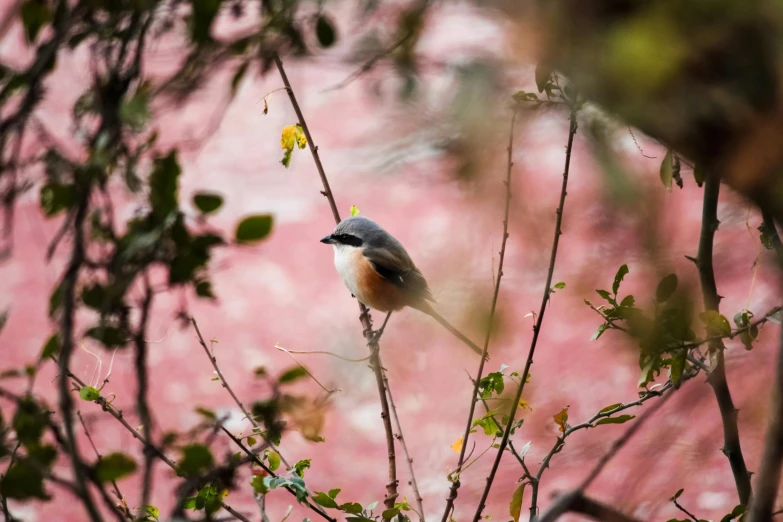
(361, 232)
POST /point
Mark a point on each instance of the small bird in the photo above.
(380, 274)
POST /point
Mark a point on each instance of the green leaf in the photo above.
(190, 502)
(195, 458)
(618, 278)
(620, 419)
(515, 507)
(325, 500)
(677, 368)
(153, 512)
(34, 14)
(299, 467)
(259, 486)
(599, 332)
(253, 228)
(628, 301)
(324, 31)
(29, 422)
(135, 111)
(204, 12)
(251, 441)
(666, 288)
(717, 324)
(559, 285)
(667, 171)
(352, 508)
(611, 407)
(606, 295)
(164, 184)
(676, 495)
(334, 492)
(274, 459)
(543, 74)
(88, 393)
(23, 480)
(390, 513)
(204, 289)
(207, 202)
(56, 197)
(292, 374)
(110, 336)
(238, 75)
(114, 467)
(51, 347)
(354, 210)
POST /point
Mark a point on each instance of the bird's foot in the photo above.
(374, 337)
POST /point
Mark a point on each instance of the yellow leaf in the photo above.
(301, 139)
(354, 210)
(561, 419)
(524, 405)
(457, 446)
(515, 507)
(288, 137)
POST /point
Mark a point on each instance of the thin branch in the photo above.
(225, 384)
(681, 508)
(123, 506)
(455, 483)
(148, 446)
(271, 473)
(622, 441)
(717, 378)
(408, 459)
(539, 320)
(364, 316)
(772, 232)
(576, 502)
(763, 501)
(142, 403)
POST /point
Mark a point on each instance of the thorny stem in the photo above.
(539, 321)
(408, 459)
(763, 499)
(364, 316)
(225, 384)
(123, 506)
(455, 484)
(717, 378)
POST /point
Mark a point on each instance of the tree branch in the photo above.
(539, 320)
(455, 483)
(408, 459)
(142, 404)
(364, 315)
(717, 378)
(763, 500)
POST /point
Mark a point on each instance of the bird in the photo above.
(378, 271)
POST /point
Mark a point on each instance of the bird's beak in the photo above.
(328, 240)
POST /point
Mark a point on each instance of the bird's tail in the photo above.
(429, 310)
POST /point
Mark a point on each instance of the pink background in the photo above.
(382, 156)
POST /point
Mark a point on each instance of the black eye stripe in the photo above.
(348, 239)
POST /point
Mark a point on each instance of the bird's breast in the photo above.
(364, 282)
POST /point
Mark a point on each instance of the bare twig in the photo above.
(763, 499)
(122, 506)
(681, 508)
(539, 320)
(717, 378)
(142, 404)
(455, 483)
(225, 385)
(364, 316)
(408, 459)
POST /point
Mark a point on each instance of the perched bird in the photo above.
(380, 274)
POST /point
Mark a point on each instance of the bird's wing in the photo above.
(398, 269)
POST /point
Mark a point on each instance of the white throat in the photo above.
(345, 263)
